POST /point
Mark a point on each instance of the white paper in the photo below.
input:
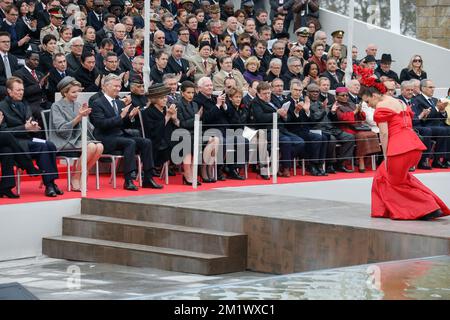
(286, 105)
(38, 140)
(249, 133)
(316, 131)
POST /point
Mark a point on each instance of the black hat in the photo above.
(368, 59)
(386, 58)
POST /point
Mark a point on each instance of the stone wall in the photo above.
(433, 21)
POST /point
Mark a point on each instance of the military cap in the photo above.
(56, 12)
(338, 33)
(303, 31)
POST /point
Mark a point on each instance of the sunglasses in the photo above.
(417, 60)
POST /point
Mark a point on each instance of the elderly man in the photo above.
(203, 64)
(302, 39)
(119, 36)
(334, 74)
(371, 50)
(158, 43)
(425, 133)
(170, 80)
(232, 25)
(110, 118)
(430, 112)
(56, 21)
(74, 57)
(129, 52)
(295, 69)
(384, 70)
(179, 65)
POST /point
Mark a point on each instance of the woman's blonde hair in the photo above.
(251, 60)
(410, 65)
(334, 46)
(72, 84)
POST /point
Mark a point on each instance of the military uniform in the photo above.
(340, 34)
(51, 29)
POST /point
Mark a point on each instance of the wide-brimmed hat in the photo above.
(369, 58)
(386, 58)
(157, 90)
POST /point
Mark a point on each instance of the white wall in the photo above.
(402, 48)
(22, 226)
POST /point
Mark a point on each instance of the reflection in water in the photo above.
(412, 279)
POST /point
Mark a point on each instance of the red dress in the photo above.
(396, 193)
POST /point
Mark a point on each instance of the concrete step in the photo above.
(156, 234)
(163, 214)
(136, 255)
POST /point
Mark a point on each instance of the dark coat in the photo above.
(186, 114)
(87, 79)
(434, 119)
(14, 67)
(299, 124)
(263, 115)
(53, 79)
(174, 67)
(21, 31)
(213, 116)
(14, 120)
(33, 91)
(239, 64)
(333, 82)
(125, 63)
(93, 21)
(287, 78)
(156, 128)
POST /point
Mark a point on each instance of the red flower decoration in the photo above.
(366, 78)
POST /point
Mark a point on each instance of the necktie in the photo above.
(63, 74)
(205, 64)
(116, 111)
(7, 67)
(13, 33)
(33, 73)
(431, 102)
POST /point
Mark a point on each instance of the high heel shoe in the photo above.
(185, 182)
(9, 194)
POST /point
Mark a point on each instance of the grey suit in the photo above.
(62, 132)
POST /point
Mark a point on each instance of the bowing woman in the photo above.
(396, 193)
(187, 109)
(159, 122)
(65, 128)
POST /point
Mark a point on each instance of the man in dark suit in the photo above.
(118, 38)
(56, 74)
(335, 75)
(425, 133)
(34, 83)
(109, 21)
(324, 85)
(19, 120)
(291, 145)
(129, 51)
(171, 6)
(88, 75)
(299, 115)
(8, 62)
(106, 45)
(294, 72)
(110, 117)
(245, 51)
(277, 97)
(178, 65)
(19, 32)
(95, 16)
(430, 112)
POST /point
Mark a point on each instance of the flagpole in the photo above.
(350, 28)
(146, 70)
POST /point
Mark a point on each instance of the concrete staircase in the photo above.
(142, 240)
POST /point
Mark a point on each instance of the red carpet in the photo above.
(30, 191)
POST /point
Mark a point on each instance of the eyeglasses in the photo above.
(343, 95)
(313, 91)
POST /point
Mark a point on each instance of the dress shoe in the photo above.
(412, 169)
(129, 185)
(57, 190)
(221, 177)
(362, 170)
(264, 176)
(447, 163)
(433, 215)
(424, 166)
(208, 180)
(314, 171)
(342, 168)
(438, 164)
(322, 172)
(133, 175)
(234, 175)
(9, 194)
(150, 183)
(50, 191)
(186, 182)
(331, 169)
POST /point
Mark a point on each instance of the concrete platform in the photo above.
(289, 232)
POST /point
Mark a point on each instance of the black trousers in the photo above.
(11, 153)
(441, 134)
(347, 142)
(425, 135)
(130, 146)
(45, 156)
(315, 146)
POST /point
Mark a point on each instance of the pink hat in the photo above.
(341, 90)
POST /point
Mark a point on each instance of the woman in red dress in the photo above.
(396, 193)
